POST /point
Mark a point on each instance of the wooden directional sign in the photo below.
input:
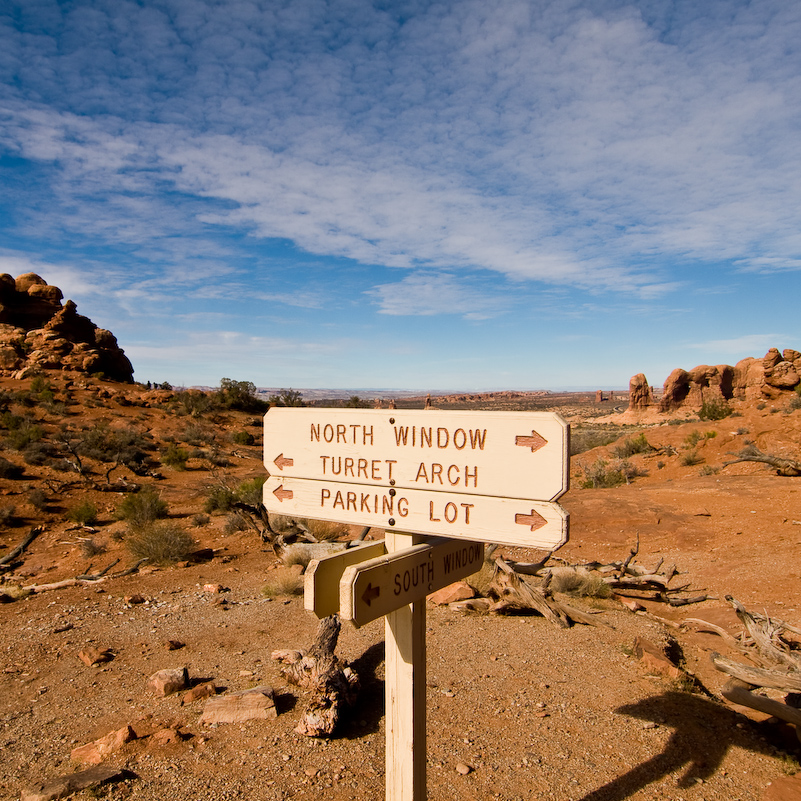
(503, 454)
(374, 588)
(508, 521)
(321, 579)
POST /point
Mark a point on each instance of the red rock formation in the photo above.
(750, 380)
(639, 392)
(38, 333)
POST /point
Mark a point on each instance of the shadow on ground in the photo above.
(703, 732)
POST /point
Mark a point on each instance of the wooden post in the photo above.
(405, 687)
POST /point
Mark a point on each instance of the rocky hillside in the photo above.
(38, 333)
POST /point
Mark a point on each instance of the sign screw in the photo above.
(391, 521)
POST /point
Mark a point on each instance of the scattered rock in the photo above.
(133, 600)
(654, 659)
(257, 703)
(213, 588)
(168, 681)
(95, 656)
(95, 752)
(174, 645)
(205, 690)
(463, 768)
(458, 591)
(166, 737)
(63, 786)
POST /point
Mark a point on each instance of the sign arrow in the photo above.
(534, 520)
(535, 441)
(283, 494)
(370, 593)
(281, 462)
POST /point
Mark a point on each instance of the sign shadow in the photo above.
(694, 720)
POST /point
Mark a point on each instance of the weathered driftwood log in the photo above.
(333, 683)
(739, 692)
(765, 634)
(784, 466)
(759, 677)
(12, 555)
(513, 592)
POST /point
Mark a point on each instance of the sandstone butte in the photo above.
(751, 379)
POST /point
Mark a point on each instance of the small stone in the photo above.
(213, 588)
(166, 737)
(95, 656)
(95, 752)
(134, 599)
(311, 772)
(205, 690)
(458, 591)
(245, 673)
(169, 681)
(63, 786)
(257, 703)
(463, 769)
(174, 645)
(650, 725)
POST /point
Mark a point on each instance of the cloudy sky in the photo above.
(461, 194)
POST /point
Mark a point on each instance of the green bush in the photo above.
(84, 513)
(25, 434)
(175, 457)
(160, 543)
(584, 438)
(243, 438)
(603, 475)
(239, 396)
(690, 458)
(222, 498)
(631, 446)
(142, 509)
(715, 409)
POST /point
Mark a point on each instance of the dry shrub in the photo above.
(90, 547)
(283, 582)
(325, 530)
(160, 543)
(297, 554)
(578, 581)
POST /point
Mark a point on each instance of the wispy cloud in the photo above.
(477, 150)
(747, 345)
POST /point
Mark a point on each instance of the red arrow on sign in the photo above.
(282, 494)
(281, 462)
(534, 520)
(535, 441)
(371, 593)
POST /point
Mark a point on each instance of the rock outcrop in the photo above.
(38, 333)
(639, 392)
(750, 379)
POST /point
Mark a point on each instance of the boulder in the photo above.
(169, 681)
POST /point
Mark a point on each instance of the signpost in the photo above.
(503, 454)
(507, 521)
(372, 589)
(468, 477)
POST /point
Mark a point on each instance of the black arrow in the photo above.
(371, 593)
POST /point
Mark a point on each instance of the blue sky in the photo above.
(453, 195)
